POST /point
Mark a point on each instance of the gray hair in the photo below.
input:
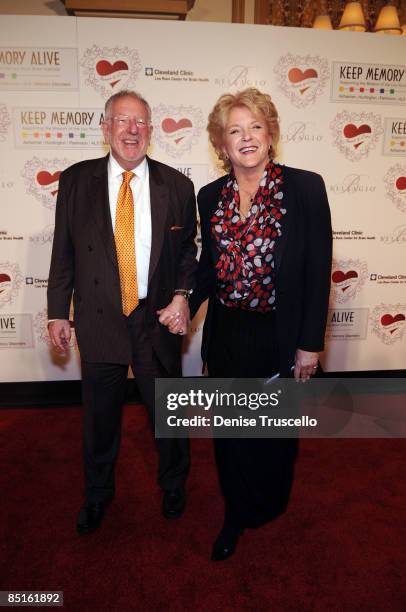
(125, 93)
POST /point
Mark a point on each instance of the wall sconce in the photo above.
(322, 22)
(353, 18)
(388, 21)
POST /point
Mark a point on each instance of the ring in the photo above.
(315, 367)
(180, 332)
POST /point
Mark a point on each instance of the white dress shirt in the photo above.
(142, 214)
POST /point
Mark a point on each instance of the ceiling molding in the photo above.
(139, 9)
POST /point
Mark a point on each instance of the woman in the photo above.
(265, 267)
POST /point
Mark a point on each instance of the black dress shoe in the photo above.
(174, 503)
(90, 516)
(226, 542)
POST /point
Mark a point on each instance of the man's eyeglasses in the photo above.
(124, 121)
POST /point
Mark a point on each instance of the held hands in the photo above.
(176, 316)
(60, 334)
(305, 365)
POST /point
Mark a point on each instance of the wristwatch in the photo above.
(186, 293)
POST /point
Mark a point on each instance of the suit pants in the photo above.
(104, 389)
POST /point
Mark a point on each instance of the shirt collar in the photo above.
(116, 171)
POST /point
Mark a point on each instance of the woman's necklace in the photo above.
(244, 210)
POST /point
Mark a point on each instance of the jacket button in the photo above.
(89, 248)
(96, 281)
(100, 311)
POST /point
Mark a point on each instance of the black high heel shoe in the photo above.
(226, 542)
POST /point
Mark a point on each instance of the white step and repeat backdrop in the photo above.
(342, 102)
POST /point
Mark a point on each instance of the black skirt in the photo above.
(255, 474)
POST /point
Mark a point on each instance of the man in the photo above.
(124, 247)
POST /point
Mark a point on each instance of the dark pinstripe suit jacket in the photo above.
(84, 260)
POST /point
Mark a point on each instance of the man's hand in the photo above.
(176, 316)
(305, 364)
(60, 333)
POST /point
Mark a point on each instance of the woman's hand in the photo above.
(176, 316)
(305, 364)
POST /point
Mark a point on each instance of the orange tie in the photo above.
(125, 245)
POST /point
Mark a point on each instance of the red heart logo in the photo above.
(339, 276)
(401, 183)
(4, 278)
(388, 319)
(46, 178)
(351, 130)
(104, 67)
(295, 75)
(170, 125)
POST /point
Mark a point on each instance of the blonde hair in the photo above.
(261, 106)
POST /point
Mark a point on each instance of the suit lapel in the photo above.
(213, 199)
(159, 197)
(286, 219)
(99, 201)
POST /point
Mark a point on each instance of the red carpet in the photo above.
(340, 547)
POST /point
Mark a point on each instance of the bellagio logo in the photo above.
(44, 236)
(355, 134)
(241, 77)
(395, 183)
(11, 280)
(348, 277)
(389, 322)
(42, 178)
(302, 78)
(4, 122)
(110, 70)
(177, 128)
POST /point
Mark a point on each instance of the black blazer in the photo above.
(302, 264)
(84, 260)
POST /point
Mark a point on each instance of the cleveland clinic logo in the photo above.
(395, 183)
(42, 178)
(302, 78)
(11, 281)
(108, 70)
(5, 121)
(177, 128)
(389, 322)
(355, 134)
(347, 278)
